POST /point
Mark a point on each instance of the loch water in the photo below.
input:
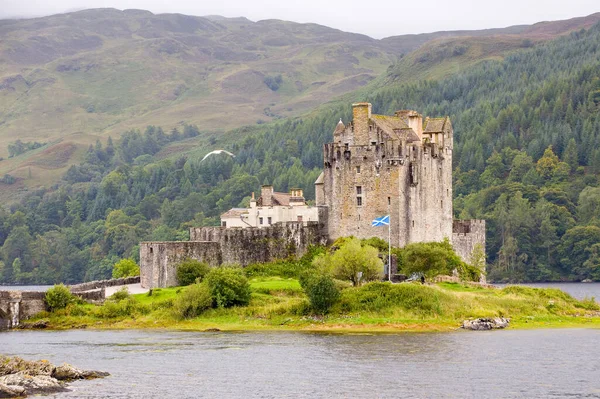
(462, 364)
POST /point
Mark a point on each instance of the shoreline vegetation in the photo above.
(335, 289)
(279, 304)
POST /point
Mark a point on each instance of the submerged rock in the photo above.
(19, 377)
(485, 324)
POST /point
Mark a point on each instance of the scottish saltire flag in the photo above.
(382, 221)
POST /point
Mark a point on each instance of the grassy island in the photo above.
(279, 303)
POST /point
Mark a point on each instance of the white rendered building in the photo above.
(270, 208)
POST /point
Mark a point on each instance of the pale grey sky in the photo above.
(376, 18)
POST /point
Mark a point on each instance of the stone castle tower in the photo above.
(399, 165)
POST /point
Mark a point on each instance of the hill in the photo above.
(68, 80)
(527, 134)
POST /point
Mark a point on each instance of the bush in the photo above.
(228, 286)
(124, 308)
(377, 296)
(194, 300)
(322, 292)
(121, 294)
(58, 297)
(191, 271)
(125, 268)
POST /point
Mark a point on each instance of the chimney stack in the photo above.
(361, 113)
(413, 119)
(266, 194)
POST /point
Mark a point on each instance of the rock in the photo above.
(12, 365)
(38, 325)
(32, 384)
(11, 391)
(485, 324)
(66, 372)
(19, 377)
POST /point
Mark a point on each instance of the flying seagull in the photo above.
(217, 152)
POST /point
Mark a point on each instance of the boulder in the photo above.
(482, 324)
(19, 377)
(32, 384)
(66, 372)
(11, 391)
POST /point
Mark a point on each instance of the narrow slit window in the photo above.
(359, 201)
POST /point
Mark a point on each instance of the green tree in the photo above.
(352, 258)
(547, 164)
(430, 258)
(125, 268)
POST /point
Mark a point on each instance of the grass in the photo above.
(279, 304)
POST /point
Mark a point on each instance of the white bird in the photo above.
(217, 152)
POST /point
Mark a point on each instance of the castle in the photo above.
(377, 165)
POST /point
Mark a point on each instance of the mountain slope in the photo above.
(68, 80)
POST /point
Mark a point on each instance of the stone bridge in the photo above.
(16, 306)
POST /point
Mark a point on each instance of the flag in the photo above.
(382, 221)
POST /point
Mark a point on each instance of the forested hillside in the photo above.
(527, 159)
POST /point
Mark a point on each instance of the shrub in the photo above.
(58, 297)
(194, 300)
(228, 286)
(121, 294)
(191, 271)
(125, 268)
(378, 296)
(124, 308)
(322, 292)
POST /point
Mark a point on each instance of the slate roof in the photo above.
(435, 125)
(394, 127)
(234, 213)
(282, 199)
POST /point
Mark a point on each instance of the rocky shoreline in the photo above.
(20, 378)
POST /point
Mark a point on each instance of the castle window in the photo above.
(442, 203)
(358, 190)
(151, 250)
(359, 201)
(299, 218)
(447, 192)
(223, 224)
(260, 220)
(389, 200)
(269, 220)
(413, 223)
(358, 169)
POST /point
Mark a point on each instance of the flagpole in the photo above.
(390, 246)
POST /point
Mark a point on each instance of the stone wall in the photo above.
(253, 245)
(95, 285)
(16, 306)
(218, 245)
(466, 234)
(159, 259)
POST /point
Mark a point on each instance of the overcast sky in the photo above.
(376, 18)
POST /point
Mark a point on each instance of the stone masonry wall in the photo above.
(466, 234)
(219, 245)
(158, 260)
